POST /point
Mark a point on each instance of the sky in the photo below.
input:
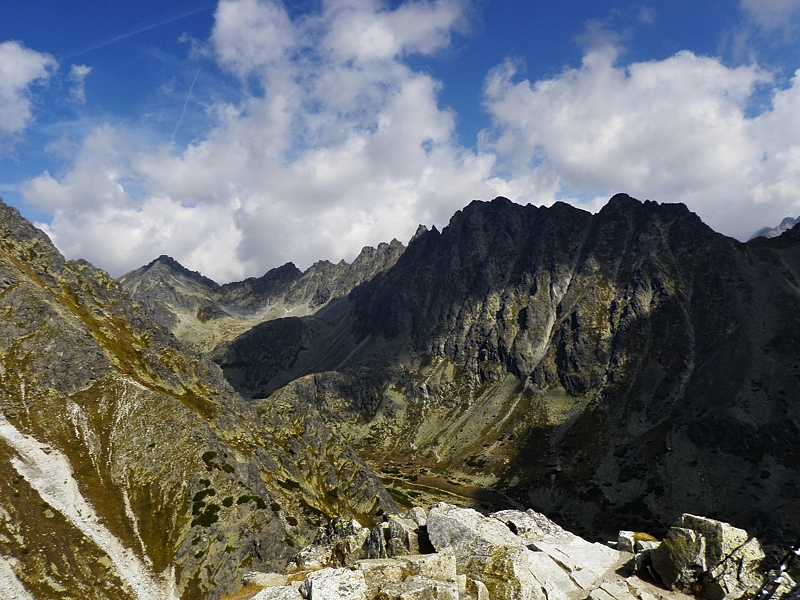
(238, 135)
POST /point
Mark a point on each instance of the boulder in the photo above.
(380, 571)
(339, 543)
(449, 525)
(418, 587)
(626, 541)
(375, 544)
(334, 584)
(643, 563)
(721, 538)
(440, 566)
(529, 525)
(278, 593)
(645, 545)
(418, 515)
(737, 575)
(544, 561)
(488, 551)
(709, 555)
(403, 536)
(680, 559)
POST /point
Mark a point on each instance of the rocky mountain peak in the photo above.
(421, 230)
(167, 266)
(771, 232)
(22, 240)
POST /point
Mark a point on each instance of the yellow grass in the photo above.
(245, 593)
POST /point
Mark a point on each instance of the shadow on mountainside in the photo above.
(610, 370)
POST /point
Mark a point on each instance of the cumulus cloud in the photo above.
(672, 130)
(20, 67)
(336, 143)
(77, 76)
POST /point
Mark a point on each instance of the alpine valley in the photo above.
(161, 434)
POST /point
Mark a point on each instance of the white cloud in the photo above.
(335, 142)
(772, 14)
(673, 130)
(77, 75)
(341, 145)
(20, 67)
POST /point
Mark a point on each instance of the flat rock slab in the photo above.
(419, 588)
(334, 584)
(278, 593)
(584, 561)
(530, 525)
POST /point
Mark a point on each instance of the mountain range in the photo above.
(611, 370)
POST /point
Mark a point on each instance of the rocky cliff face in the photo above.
(132, 469)
(611, 370)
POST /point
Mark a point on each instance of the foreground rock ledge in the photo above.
(453, 553)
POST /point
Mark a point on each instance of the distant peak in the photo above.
(421, 230)
(176, 267)
(771, 232)
(622, 198)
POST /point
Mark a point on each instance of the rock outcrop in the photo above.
(708, 556)
(514, 555)
(471, 557)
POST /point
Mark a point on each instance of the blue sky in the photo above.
(241, 134)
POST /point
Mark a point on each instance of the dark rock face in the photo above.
(611, 370)
(196, 484)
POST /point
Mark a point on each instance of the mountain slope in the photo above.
(610, 370)
(133, 470)
(205, 315)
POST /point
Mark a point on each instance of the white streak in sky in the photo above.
(124, 36)
(185, 103)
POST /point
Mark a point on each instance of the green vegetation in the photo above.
(474, 461)
(257, 499)
(289, 484)
(203, 493)
(208, 516)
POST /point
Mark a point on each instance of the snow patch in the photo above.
(50, 474)
(11, 588)
(135, 524)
